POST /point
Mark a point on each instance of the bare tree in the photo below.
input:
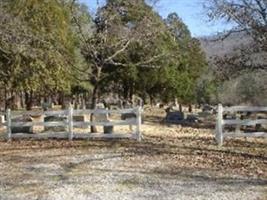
(236, 70)
(249, 16)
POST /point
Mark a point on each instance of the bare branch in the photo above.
(118, 51)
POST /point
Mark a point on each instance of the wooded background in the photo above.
(55, 51)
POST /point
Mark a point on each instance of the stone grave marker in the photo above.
(104, 118)
(174, 117)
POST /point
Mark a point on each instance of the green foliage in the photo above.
(134, 51)
(44, 49)
(192, 59)
(148, 58)
(206, 89)
(126, 49)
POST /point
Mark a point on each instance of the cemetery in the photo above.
(171, 145)
(133, 99)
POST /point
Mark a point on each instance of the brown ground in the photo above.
(171, 162)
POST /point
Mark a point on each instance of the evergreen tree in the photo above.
(193, 61)
(42, 54)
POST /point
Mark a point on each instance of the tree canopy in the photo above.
(37, 44)
(125, 49)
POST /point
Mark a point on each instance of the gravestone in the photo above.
(126, 116)
(29, 129)
(46, 106)
(120, 104)
(104, 118)
(100, 106)
(58, 118)
(2, 120)
(192, 119)
(261, 116)
(108, 129)
(174, 117)
(204, 114)
(24, 129)
(82, 118)
(208, 109)
(37, 128)
(127, 104)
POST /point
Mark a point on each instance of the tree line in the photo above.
(57, 50)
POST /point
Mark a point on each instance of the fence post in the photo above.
(70, 122)
(139, 122)
(8, 123)
(238, 126)
(219, 125)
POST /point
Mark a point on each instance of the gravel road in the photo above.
(122, 170)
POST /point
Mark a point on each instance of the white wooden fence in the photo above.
(70, 124)
(220, 123)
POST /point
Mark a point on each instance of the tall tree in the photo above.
(193, 60)
(43, 50)
(119, 27)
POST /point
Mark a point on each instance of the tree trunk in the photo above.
(16, 101)
(190, 108)
(180, 107)
(151, 100)
(22, 100)
(131, 92)
(143, 97)
(76, 104)
(83, 106)
(125, 91)
(61, 100)
(95, 94)
(6, 104)
(28, 100)
(93, 106)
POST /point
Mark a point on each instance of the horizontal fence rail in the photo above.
(221, 122)
(245, 109)
(46, 124)
(68, 122)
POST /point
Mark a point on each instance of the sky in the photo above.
(191, 12)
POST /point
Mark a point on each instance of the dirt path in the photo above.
(170, 163)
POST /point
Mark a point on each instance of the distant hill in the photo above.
(213, 46)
